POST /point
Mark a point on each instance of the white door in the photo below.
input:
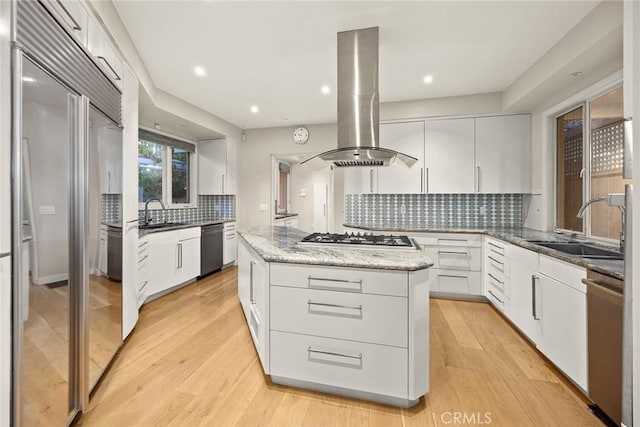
(320, 208)
(522, 308)
(407, 138)
(503, 154)
(212, 166)
(563, 328)
(360, 180)
(449, 156)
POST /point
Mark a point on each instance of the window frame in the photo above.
(581, 100)
(167, 159)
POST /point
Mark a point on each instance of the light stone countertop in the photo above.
(279, 244)
(519, 237)
(144, 232)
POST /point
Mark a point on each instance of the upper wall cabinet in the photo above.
(104, 53)
(217, 166)
(407, 138)
(361, 180)
(503, 154)
(73, 16)
(449, 156)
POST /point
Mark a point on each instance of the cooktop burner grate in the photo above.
(358, 239)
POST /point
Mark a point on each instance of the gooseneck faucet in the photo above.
(147, 218)
(613, 199)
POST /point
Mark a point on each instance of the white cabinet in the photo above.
(217, 166)
(73, 16)
(110, 152)
(503, 154)
(457, 263)
(103, 250)
(174, 258)
(104, 53)
(5, 339)
(253, 292)
(143, 269)
(407, 138)
(230, 245)
(449, 156)
(361, 180)
(563, 326)
(524, 270)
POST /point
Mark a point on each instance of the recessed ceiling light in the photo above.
(576, 74)
(27, 79)
(326, 90)
(254, 109)
(200, 71)
(428, 79)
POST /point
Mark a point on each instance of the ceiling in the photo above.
(278, 55)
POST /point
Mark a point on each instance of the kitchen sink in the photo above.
(580, 249)
(155, 225)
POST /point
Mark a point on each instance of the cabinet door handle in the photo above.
(76, 26)
(333, 353)
(422, 180)
(494, 278)
(534, 308)
(251, 264)
(499, 300)
(479, 178)
(115, 75)
(108, 182)
(310, 278)
(453, 276)
(371, 180)
(454, 252)
(325, 304)
(222, 183)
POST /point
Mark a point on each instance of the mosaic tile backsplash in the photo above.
(111, 208)
(211, 207)
(435, 210)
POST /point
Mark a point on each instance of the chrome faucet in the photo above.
(612, 199)
(147, 218)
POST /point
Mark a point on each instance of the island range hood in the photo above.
(358, 119)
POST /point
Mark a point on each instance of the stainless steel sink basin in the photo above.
(152, 225)
(580, 249)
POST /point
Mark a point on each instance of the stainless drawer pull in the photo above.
(451, 275)
(76, 26)
(496, 246)
(143, 285)
(452, 240)
(499, 300)
(115, 75)
(494, 278)
(454, 252)
(495, 260)
(143, 258)
(332, 353)
(324, 304)
(310, 278)
(143, 244)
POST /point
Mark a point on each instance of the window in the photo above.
(589, 144)
(172, 184)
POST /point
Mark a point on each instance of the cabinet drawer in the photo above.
(354, 365)
(369, 318)
(448, 239)
(456, 258)
(382, 282)
(497, 265)
(497, 248)
(456, 282)
(497, 298)
(564, 272)
(499, 281)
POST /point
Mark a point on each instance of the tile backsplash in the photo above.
(434, 210)
(210, 208)
(111, 208)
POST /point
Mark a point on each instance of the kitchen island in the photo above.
(348, 321)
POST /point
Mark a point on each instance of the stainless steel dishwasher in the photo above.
(604, 334)
(211, 242)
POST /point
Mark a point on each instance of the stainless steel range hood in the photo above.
(358, 119)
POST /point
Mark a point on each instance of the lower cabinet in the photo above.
(524, 272)
(562, 328)
(230, 245)
(174, 258)
(253, 291)
(103, 250)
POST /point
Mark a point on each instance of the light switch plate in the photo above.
(263, 207)
(47, 210)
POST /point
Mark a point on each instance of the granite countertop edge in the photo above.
(143, 232)
(519, 236)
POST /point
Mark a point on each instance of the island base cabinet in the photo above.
(356, 366)
(562, 335)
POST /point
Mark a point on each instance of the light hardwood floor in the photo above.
(190, 361)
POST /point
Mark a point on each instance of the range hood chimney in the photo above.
(358, 105)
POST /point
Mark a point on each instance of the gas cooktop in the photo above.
(358, 240)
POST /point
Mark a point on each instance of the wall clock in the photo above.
(300, 135)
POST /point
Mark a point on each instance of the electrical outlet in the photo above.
(403, 209)
(483, 210)
(263, 207)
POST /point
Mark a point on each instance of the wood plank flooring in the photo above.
(190, 361)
